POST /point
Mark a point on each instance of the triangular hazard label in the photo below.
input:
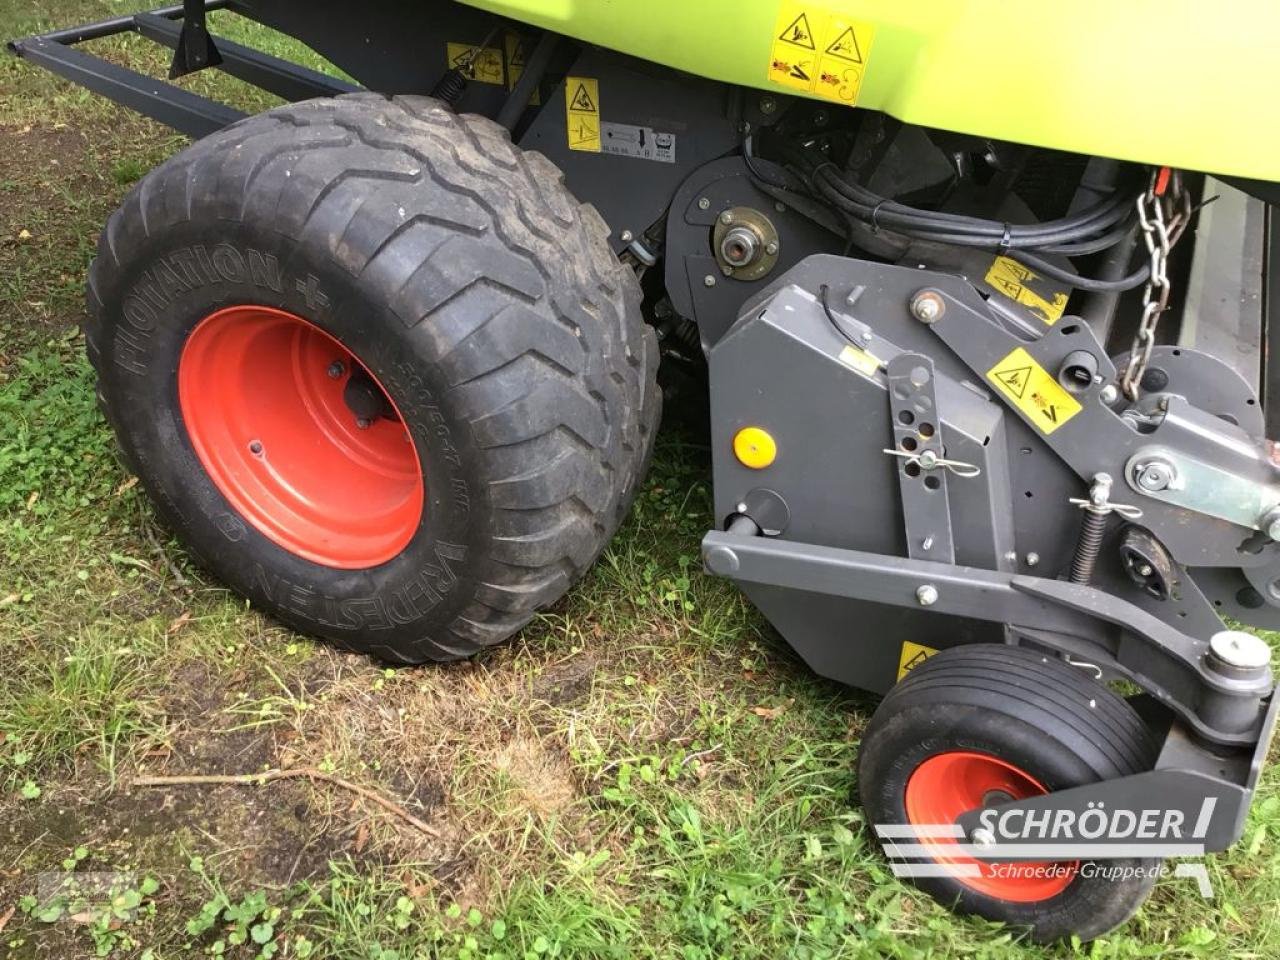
(582, 101)
(846, 47)
(1015, 380)
(799, 33)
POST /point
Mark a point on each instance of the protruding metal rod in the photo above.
(535, 69)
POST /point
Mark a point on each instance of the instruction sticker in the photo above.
(1033, 391)
(1024, 286)
(913, 654)
(582, 114)
(485, 68)
(643, 143)
(820, 51)
(865, 363)
(517, 57)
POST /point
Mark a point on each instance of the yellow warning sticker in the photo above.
(1021, 285)
(582, 113)
(819, 50)
(913, 654)
(517, 56)
(484, 66)
(865, 363)
(1033, 391)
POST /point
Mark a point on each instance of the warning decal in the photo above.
(1010, 278)
(845, 47)
(913, 654)
(865, 363)
(1033, 391)
(582, 114)
(819, 51)
(515, 47)
(483, 66)
(799, 33)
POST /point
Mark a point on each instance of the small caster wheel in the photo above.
(985, 724)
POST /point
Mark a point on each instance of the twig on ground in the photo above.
(701, 753)
(178, 576)
(6, 917)
(267, 776)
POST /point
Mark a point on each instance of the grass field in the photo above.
(646, 771)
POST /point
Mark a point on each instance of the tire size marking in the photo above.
(410, 603)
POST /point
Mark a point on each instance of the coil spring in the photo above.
(1088, 546)
(450, 88)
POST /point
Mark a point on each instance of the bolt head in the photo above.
(627, 236)
(927, 306)
(363, 423)
(708, 281)
(336, 369)
(1273, 529)
(726, 218)
(1241, 650)
(771, 249)
(1109, 394)
(704, 204)
(927, 594)
(768, 105)
(1154, 476)
(1033, 559)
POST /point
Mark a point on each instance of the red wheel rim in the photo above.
(264, 395)
(952, 783)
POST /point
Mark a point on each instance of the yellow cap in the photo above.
(755, 448)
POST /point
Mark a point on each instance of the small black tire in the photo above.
(472, 286)
(1044, 718)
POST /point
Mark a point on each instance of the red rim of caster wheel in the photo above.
(299, 437)
(952, 783)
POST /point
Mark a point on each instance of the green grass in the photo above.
(645, 772)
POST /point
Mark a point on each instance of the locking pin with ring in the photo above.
(1098, 509)
(928, 460)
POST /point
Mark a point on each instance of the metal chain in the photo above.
(1164, 210)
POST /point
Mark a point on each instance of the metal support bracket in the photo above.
(1067, 618)
(195, 49)
(917, 435)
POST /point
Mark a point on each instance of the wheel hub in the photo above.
(949, 784)
(300, 438)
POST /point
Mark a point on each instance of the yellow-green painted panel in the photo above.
(1187, 83)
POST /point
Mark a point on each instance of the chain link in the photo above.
(1164, 209)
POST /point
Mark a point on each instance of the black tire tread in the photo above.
(360, 174)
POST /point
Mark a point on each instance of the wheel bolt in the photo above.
(336, 370)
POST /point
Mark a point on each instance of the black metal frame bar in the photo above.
(186, 112)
